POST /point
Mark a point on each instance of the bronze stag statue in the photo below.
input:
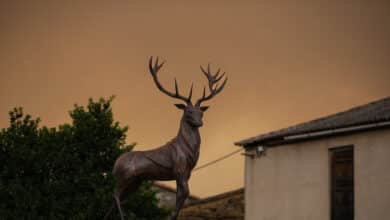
(174, 160)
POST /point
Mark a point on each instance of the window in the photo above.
(342, 183)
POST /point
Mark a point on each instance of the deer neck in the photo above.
(189, 135)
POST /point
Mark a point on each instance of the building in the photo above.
(167, 196)
(336, 167)
(226, 206)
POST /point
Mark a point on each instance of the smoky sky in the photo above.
(287, 62)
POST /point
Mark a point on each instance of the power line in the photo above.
(217, 160)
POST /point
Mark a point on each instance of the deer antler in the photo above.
(213, 86)
(154, 68)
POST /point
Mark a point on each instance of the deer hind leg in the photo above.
(122, 190)
(117, 200)
(108, 214)
(118, 205)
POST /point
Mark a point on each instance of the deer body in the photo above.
(175, 158)
(172, 161)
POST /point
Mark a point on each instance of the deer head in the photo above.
(193, 114)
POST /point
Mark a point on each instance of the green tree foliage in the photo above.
(65, 172)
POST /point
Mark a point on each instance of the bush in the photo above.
(65, 172)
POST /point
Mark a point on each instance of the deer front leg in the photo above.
(181, 195)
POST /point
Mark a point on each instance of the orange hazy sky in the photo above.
(287, 62)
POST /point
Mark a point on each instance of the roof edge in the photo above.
(270, 136)
(328, 132)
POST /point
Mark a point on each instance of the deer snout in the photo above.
(197, 123)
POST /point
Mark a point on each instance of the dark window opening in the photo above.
(342, 184)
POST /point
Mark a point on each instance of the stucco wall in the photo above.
(292, 181)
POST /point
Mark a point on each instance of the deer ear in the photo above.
(204, 108)
(180, 106)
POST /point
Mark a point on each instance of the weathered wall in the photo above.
(167, 199)
(227, 206)
(167, 196)
(291, 182)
